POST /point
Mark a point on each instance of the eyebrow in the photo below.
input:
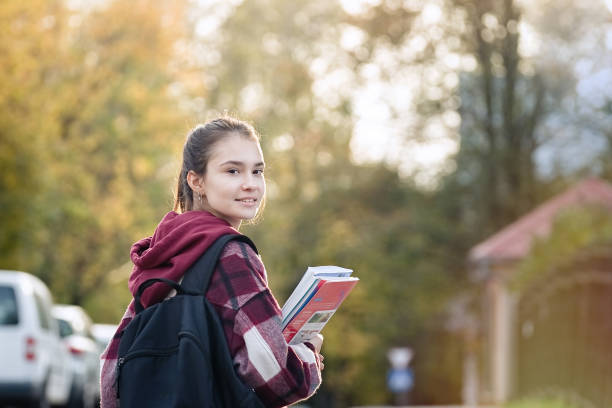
(239, 163)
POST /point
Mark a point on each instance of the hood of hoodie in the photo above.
(179, 240)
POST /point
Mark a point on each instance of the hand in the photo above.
(321, 362)
(317, 342)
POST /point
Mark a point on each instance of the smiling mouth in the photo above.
(247, 200)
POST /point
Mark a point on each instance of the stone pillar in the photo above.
(503, 347)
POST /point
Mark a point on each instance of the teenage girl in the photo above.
(222, 183)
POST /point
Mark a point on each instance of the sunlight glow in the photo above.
(426, 162)
(386, 127)
(529, 45)
(352, 38)
(217, 11)
(431, 14)
(355, 7)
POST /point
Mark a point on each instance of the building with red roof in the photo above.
(513, 242)
(495, 259)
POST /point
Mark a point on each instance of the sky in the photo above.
(384, 117)
(378, 136)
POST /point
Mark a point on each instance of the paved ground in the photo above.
(427, 406)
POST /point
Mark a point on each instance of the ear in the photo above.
(195, 181)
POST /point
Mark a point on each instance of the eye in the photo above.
(233, 171)
(258, 171)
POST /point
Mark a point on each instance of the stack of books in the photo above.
(314, 300)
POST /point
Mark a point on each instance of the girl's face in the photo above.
(234, 185)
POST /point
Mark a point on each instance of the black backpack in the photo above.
(174, 353)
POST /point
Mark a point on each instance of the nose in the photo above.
(248, 183)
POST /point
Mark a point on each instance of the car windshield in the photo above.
(8, 307)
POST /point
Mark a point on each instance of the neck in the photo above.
(235, 225)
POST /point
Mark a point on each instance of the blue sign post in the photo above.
(400, 380)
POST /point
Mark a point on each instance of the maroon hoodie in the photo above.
(178, 241)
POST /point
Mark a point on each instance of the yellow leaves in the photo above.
(142, 168)
(137, 30)
(9, 180)
(114, 214)
(88, 122)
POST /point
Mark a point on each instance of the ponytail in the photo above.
(183, 200)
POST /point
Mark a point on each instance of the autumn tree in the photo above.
(29, 34)
(93, 136)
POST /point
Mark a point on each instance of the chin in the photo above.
(237, 219)
(248, 217)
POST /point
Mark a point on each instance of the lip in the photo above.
(248, 201)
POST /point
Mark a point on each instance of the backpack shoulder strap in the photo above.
(198, 275)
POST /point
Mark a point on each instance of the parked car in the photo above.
(103, 333)
(75, 329)
(35, 366)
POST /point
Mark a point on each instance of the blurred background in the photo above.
(456, 154)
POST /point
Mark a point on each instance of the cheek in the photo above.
(218, 189)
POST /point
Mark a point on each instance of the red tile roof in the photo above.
(514, 241)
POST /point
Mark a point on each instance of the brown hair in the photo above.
(197, 151)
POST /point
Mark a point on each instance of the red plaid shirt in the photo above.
(281, 374)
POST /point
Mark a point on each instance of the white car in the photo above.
(75, 328)
(103, 333)
(35, 366)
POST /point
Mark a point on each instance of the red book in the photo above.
(317, 311)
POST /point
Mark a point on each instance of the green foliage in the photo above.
(573, 231)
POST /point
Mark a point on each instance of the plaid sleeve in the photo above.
(280, 374)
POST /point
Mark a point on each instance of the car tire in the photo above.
(41, 400)
(76, 399)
